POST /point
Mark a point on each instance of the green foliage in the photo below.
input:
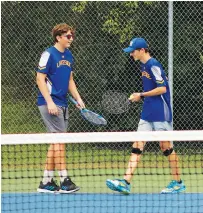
(120, 19)
(79, 6)
(201, 57)
(21, 117)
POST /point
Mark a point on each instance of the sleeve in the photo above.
(44, 63)
(157, 76)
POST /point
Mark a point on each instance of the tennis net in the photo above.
(91, 159)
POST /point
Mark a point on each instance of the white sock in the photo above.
(63, 174)
(48, 175)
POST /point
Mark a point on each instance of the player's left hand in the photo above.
(135, 97)
(80, 104)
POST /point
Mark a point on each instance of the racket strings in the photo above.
(93, 117)
(115, 102)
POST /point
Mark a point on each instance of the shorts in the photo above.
(154, 126)
(55, 123)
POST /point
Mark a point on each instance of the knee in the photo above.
(138, 147)
(137, 151)
(167, 152)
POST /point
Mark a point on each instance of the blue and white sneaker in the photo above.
(119, 185)
(67, 186)
(50, 187)
(174, 187)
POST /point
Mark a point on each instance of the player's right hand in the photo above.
(52, 108)
(80, 104)
(135, 97)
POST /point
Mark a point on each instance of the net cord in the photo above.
(91, 137)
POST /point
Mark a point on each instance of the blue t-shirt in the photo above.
(58, 67)
(155, 108)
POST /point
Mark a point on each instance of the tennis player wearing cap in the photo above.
(156, 116)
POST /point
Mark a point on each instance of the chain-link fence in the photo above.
(103, 29)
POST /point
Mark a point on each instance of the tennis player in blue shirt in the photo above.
(54, 80)
(156, 116)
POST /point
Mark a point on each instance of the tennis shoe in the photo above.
(67, 186)
(174, 187)
(50, 187)
(119, 185)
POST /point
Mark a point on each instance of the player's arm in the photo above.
(159, 90)
(43, 69)
(160, 83)
(135, 97)
(74, 92)
(41, 83)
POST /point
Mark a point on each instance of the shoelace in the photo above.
(171, 184)
(55, 182)
(69, 180)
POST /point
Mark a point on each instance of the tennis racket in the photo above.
(116, 102)
(90, 116)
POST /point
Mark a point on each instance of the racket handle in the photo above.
(72, 100)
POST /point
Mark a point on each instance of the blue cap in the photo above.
(136, 43)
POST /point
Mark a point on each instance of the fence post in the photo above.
(170, 50)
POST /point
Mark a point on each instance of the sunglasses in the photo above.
(69, 36)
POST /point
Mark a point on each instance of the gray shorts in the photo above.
(55, 123)
(154, 126)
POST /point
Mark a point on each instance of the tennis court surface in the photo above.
(101, 203)
(90, 164)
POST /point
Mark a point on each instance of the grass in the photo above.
(21, 117)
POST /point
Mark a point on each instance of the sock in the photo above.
(127, 182)
(63, 174)
(48, 175)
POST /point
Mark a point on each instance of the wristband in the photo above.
(141, 95)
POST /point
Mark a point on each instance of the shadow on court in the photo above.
(101, 203)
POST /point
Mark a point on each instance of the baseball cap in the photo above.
(136, 43)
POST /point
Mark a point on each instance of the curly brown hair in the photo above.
(59, 29)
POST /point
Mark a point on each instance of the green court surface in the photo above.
(93, 180)
(89, 167)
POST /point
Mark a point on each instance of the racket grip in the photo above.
(72, 100)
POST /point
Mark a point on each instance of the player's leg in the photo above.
(60, 160)
(123, 185)
(176, 185)
(56, 158)
(50, 159)
(167, 149)
(137, 150)
(49, 166)
(66, 185)
(48, 184)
